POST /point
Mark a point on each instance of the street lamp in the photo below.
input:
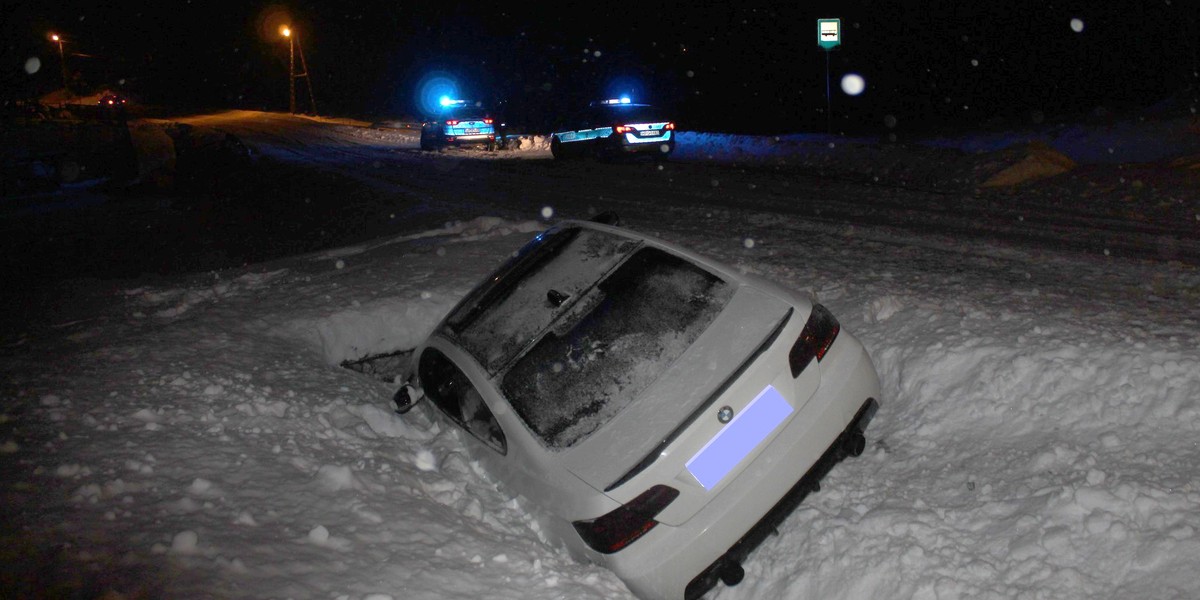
(294, 44)
(62, 60)
(287, 33)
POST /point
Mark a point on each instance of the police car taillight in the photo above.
(670, 125)
(487, 121)
(623, 129)
(452, 122)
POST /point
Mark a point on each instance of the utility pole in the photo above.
(308, 80)
(293, 44)
(62, 58)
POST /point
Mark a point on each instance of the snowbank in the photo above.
(192, 437)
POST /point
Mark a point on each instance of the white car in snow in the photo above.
(663, 411)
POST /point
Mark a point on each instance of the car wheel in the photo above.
(607, 150)
(556, 149)
(426, 143)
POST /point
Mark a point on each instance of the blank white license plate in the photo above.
(740, 437)
(648, 133)
(472, 131)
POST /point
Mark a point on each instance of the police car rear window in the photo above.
(470, 112)
(636, 114)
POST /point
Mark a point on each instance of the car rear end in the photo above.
(639, 129)
(469, 131)
(466, 127)
(767, 428)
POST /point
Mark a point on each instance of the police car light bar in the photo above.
(447, 101)
(621, 100)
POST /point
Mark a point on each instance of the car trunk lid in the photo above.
(635, 436)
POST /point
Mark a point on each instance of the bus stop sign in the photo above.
(829, 33)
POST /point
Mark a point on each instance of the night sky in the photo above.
(718, 67)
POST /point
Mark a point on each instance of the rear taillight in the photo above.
(670, 125)
(626, 524)
(487, 121)
(452, 122)
(816, 338)
(623, 129)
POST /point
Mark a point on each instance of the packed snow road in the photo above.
(435, 187)
(192, 436)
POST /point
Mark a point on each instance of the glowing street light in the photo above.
(294, 44)
(62, 60)
(287, 33)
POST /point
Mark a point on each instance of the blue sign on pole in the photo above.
(829, 33)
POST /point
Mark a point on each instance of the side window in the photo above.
(452, 392)
(580, 119)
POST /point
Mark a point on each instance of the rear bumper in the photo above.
(662, 147)
(463, 140)
(841, 448)
(676, 562)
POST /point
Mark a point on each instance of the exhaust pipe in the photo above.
(854, 443)
(731, 572)
(853, 440)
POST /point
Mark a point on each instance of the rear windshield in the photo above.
(634, 114)
(611, 344)
(464, 113)
(549, 275)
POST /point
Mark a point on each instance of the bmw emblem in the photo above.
(725, 415)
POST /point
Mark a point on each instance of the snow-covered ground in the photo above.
(194, 436)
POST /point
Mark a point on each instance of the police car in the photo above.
(459, 124)
(616, 127)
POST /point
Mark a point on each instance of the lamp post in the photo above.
(287, 33)
(293, 46)
(62, 60)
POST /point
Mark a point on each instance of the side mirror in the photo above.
(407, 397)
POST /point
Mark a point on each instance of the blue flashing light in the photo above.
(625, 100)
(445, 101)
(433, 89)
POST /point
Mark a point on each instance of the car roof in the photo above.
(465, 110)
